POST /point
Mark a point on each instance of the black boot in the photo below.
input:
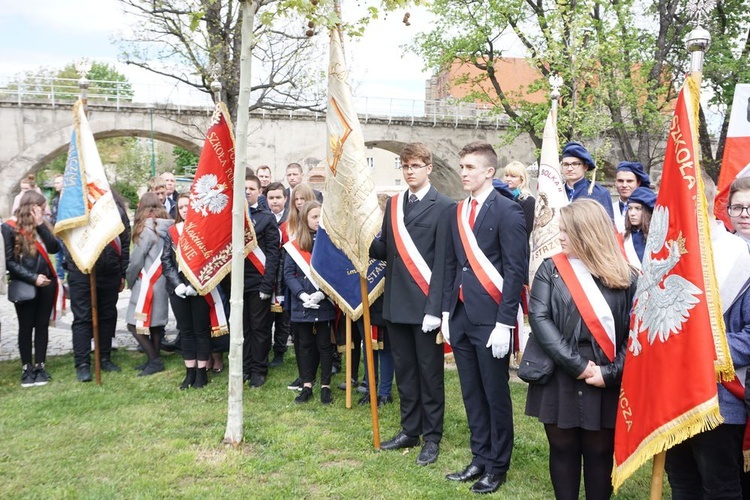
(201, 378)
(190, 376)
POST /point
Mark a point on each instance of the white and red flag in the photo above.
(204, 251)
(677, 346)
(736, 160)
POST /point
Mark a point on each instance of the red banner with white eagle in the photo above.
(204, 251)
(736, 160)
(677, 343)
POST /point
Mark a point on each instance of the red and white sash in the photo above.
(485, 272)
(590, 301)
(630, 254)
(407, 250)
(145, 301)
(258, 259)
(219, 324)
(302, 259)
(43, 252)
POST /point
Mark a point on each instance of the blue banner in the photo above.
(338, 278)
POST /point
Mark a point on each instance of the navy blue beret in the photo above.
(577, 150)
(644, 196)
(637, 169)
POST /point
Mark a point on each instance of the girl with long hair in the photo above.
(312, 314)
(301, 194)
(578, 404)
(640, 208)
(148, 310)
(516, 178)
(28, 244)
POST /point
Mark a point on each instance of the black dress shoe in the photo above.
(488, 483)
(429, 453)
(384, 400)
(470, 473)
(401, 440)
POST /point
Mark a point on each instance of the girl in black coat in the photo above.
(28, 244)
(312, 314)
(578, 405)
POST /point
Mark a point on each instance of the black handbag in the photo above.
(20, 291)
(536, 366)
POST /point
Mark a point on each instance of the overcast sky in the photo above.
(52, 33)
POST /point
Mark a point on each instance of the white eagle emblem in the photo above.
(208, 195)
(661, 304)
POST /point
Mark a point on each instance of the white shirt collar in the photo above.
(482, 197)
(419, 194)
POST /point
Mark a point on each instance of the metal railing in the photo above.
(63, 91)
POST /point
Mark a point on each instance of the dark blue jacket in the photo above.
(581, 190)
(297, 284)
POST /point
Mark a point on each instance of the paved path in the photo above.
(60, 337)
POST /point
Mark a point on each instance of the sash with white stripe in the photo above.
(145, 302)
(302, 259)
(258, 258)
(590, 302)
(407, 250)
(630, 253)
(485, 272)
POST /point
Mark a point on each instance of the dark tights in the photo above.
(151, 343)
(566, 448)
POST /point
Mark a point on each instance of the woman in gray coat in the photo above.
(148, 311)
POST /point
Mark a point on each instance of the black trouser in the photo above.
(281, 330)
(418, 362)
(314, 344)
(485, 391)
(33, 321)
(107, 292)
(256, 325)
(708, 465)
(194, 325)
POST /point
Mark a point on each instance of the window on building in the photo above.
(371, 162)
(397, 162)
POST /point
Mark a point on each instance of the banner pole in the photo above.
(372, 384)
(657, 475)
(95, 327)
(348, 358)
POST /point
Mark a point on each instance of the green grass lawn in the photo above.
(140, 437)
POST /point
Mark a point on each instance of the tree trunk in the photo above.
(234, 430)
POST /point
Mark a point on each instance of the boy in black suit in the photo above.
(415, 229)
(487, 263)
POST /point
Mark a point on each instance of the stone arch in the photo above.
(443, 177)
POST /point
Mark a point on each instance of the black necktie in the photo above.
(410, 204)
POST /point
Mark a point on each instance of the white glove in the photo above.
(264, 296)
(499, 340)
(304, 297)
(430, 323)
(190, 291)
(180, 290)
(317, 297)
(310, 305)
(445, 327)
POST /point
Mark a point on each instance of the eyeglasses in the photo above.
(412, 168)
(573, 164)
(736, 210)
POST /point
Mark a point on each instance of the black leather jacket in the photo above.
(550, 308)
(27, 268)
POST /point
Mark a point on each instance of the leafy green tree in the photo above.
(184, 160)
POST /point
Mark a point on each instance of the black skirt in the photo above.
(568, 402)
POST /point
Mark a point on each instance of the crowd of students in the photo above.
(455, 273)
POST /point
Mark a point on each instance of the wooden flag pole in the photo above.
(372, 384)
(95, 327)
(348, 358)
(657, 475)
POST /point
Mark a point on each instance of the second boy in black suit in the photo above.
(487, 264)
(415, 229)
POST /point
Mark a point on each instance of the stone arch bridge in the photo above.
(33, 133)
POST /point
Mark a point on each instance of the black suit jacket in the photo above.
(427, 223)
(267, 235)
(500, 230)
